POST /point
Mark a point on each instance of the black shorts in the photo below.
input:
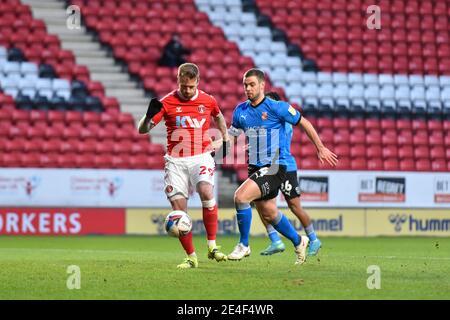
(290, 187)
(268, 179)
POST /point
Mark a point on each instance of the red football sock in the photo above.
(186, 242)
(210, 222)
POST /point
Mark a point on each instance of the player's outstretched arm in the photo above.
(323, 153)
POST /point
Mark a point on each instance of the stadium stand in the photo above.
(51, 113)
(377, 79)
(380, 98)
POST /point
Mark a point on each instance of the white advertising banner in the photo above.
(145, 189)
(373, 189)
(84, 188)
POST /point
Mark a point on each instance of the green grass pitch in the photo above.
(132, 267)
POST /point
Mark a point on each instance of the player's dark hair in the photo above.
(273, 95)
(188, 70)
(259, 74)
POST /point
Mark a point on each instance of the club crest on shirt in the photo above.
(201, 108)
(264, 115)
(179, 109)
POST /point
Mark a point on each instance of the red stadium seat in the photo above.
(408, 165)
(11, 160)
(358, 136)
(105, 146)
(342, 150)
(404, 124)
(359, 164)
(309, 163)
(388, 124)
(419, 125)
(405, 138)
(340, 123)
(48, 160)
(55, 116)
(122, 148)
(87, 146)
(389, 152)
(391, 164)
(67, 160)
(436, 139)
(389, 139)
(423, 165)
(343, 164)
(33, 145)
(374, 151)
(420, 140)
(103, 161)
(422, 152)
(358, 151)
(437, 153)
(375, 164)
(406, 152)
(30, 160)
(439, 165)
(356, 124)
(341, 136)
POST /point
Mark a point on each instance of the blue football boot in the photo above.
(314, 247)
(273, 248)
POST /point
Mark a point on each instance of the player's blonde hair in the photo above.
(188, 70)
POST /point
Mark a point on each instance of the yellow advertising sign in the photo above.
(151, 221)
(408, 222)
(339, 222)
(333, 222)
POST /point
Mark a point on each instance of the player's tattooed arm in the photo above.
(323, 153)
(222, 126)
(145, 125)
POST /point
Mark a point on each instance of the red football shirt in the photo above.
(187, 123)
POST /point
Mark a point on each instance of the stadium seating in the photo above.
(51, 114)
(124, 28)
(391, 99)
(390, 84)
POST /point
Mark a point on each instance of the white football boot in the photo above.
(300, 250)
(239, 252)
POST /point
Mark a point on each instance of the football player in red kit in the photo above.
(187, 113)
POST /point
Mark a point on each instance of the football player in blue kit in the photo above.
(264, 121)
(291, 192)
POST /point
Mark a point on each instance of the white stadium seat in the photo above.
(355, 78)
(433, 93)
(400, 79)
(341, 91)
(402, 93)
(387, 92)
(339, 77)
(372, 92)
(324, 77)
(385, 79)
(356, 91)
(418, 93)
(416, 80)
(325, 90)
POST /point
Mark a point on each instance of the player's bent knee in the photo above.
(241, 203)
(239, 198)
